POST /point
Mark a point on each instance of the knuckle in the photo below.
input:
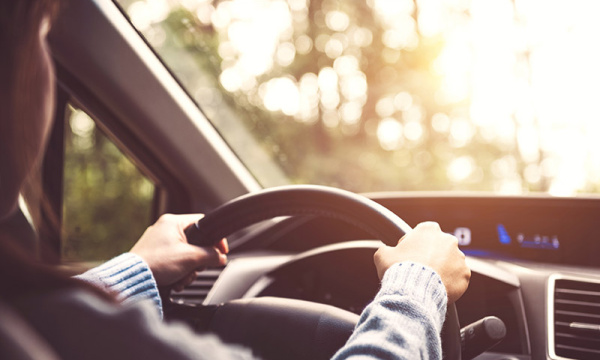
(453, 240)
(380, 254)
(165, 217)
(450, 242)
(429, 225)
(377, 255)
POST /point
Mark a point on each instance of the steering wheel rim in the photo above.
(292, 200)
(314, 200)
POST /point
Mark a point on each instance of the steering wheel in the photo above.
(289, 328)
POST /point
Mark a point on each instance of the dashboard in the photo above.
(517, 249)
(543, 229)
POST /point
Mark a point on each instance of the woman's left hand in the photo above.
(173, 261)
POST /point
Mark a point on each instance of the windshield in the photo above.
(376, 95)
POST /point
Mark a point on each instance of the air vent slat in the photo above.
(573, 352)
(573, 314)
(193, 293)
(577, 292)
(578, 340)
(203, 283)
(576, 317)
(198, 290)
(577, 303)
(208, 273)
(583, 308)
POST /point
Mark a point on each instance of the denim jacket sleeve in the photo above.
(404, 320)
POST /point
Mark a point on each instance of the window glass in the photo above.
(107, 201)
(394, 95)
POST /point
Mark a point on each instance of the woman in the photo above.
(76, 319)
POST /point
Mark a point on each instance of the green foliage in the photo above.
(107, 201)
(313, 152)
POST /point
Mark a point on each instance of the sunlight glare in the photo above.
(389, 133)
(403, 101)
(345, 65)
(461, 132)
(354, 86)
(521, 76)
(204, 12)
(528, 143)
(461, 169)
(309, 98)
(337, 20)
(385, 107)
(297, 5)
(389, 11)
(430, 17)
(413, 130)
(333, 48)
(231, 79)
(282, 94)
(303, 44)
(351, 112)
(361, 37)
(328, 80)
(286, 53)
(440, 122)
(258, 33)
(403, 35)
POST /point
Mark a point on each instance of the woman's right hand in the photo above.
(173, 261)
(428, 245)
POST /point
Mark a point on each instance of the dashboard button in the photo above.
(463, 235)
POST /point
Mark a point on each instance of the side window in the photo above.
(107, 201)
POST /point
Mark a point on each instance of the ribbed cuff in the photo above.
(128, 276)
(419, 282)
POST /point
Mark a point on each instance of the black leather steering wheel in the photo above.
(250, 321)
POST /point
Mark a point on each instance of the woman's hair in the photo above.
(20, 22)
(20, 80)
(20, 25)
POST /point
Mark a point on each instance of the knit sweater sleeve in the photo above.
(128, 276)
(404, 320)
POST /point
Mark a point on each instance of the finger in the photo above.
(188, 279)
(208, 256)
(223, 246)
(432, 225)
(402, 238)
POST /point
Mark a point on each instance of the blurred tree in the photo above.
(107, 201)
(375, 94)
(381, 72)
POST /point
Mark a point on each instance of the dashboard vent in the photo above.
(197, 291)
(576, 319)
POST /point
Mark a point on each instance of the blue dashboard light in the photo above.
(503, 234)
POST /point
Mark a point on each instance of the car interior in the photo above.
(300, 269)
